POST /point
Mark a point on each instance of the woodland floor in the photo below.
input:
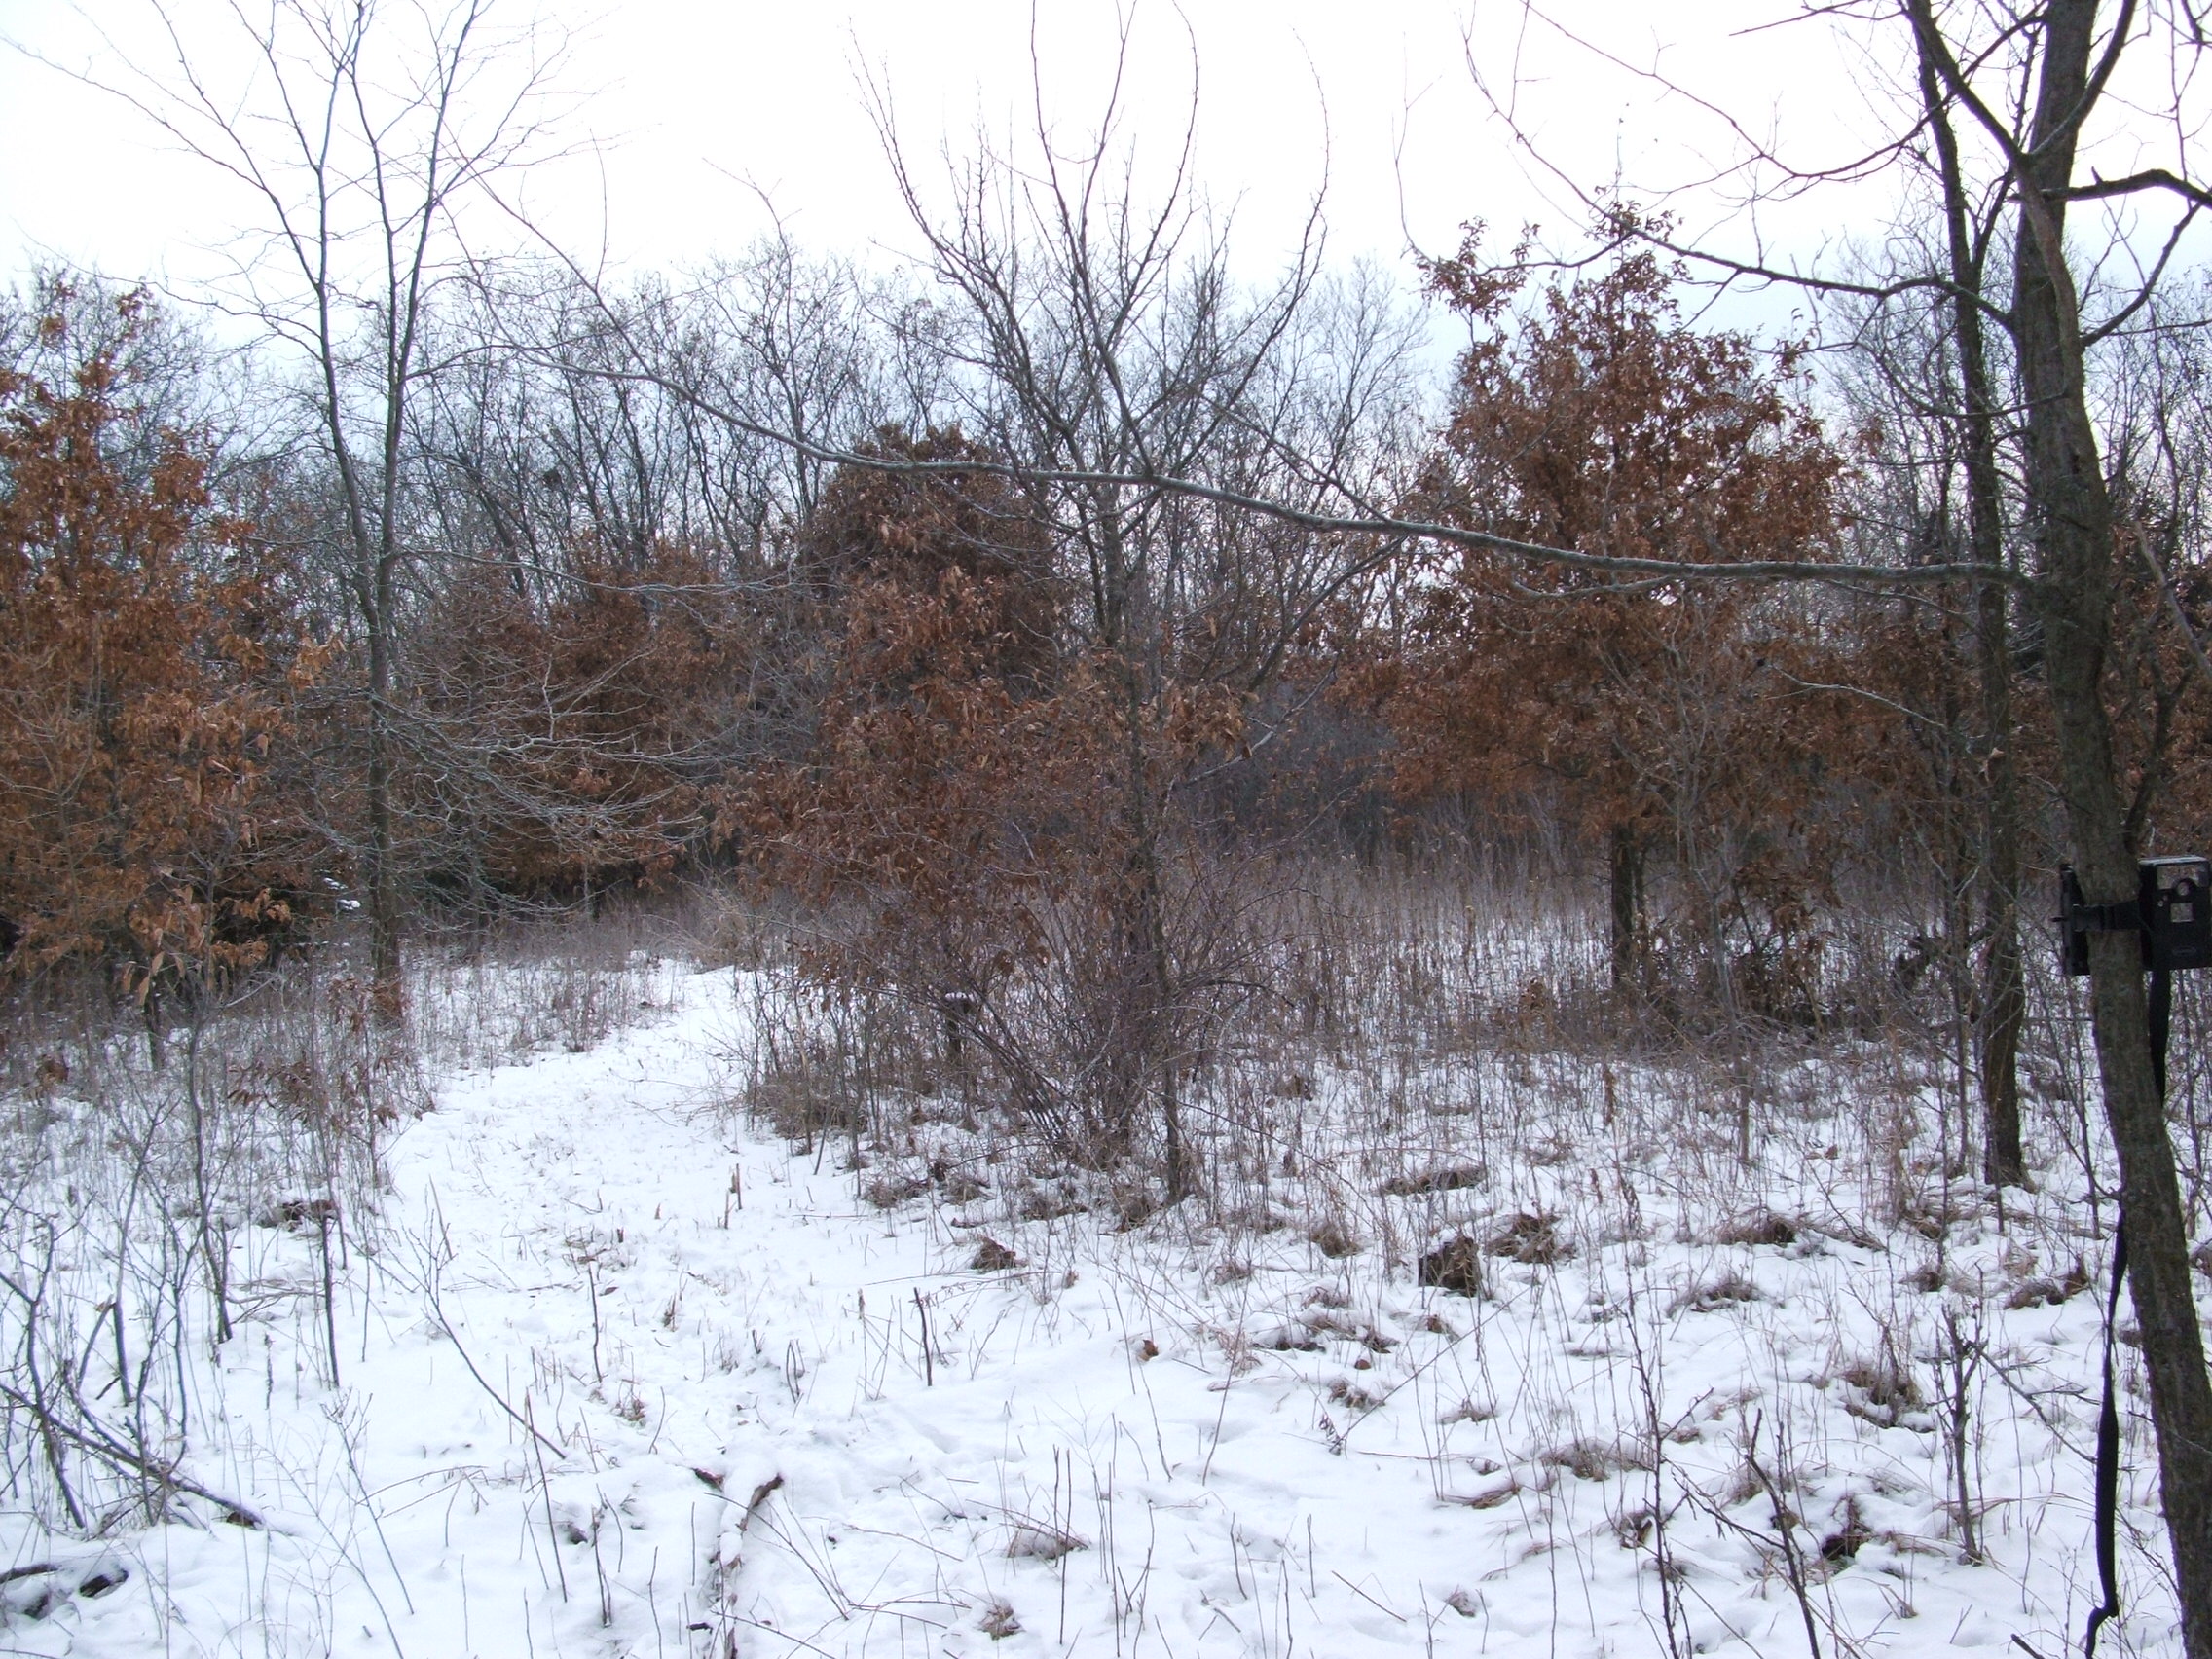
(620, 1372)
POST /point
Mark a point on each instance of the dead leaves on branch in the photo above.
(1659, 714)
(568, 741)
(147, 660)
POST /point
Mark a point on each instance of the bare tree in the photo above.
(2077, 543)
(359, 139)
(1105, 347)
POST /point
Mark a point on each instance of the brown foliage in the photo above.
(951, 764)
(920, 533)
(566, 743)
(145, 661)
(1651, 713)
(961, 825)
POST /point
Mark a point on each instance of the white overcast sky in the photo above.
(700, 110)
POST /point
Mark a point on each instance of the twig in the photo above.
(445, 1325)
(929, 1358)
(1364, 1596)
(115, 1452)
(545, 1490)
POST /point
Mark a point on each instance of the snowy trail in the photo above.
(624, 1378)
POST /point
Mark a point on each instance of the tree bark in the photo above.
(1625, 882)
(2075, 531)
(2003, 999)
(387, 995)
(2004, 1002)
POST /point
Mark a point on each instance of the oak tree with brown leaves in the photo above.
(1656, 715)
(146, 655)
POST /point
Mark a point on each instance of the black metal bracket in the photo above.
(2123, 917)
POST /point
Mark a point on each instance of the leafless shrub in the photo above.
(127, 1235)
(496, 995)
(834, 1065)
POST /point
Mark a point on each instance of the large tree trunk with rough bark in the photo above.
(2075, 534)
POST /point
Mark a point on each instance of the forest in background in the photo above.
(1017, 650)
(975, 725)
(934, 614)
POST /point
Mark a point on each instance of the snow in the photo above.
(622, 1373)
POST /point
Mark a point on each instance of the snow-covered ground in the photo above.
(618, 1372)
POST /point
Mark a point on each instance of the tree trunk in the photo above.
(1625, 862)
(1153, 1038)
(387, 990)
(2002, 1000)
(2074, 528)
(2004, 996)
(1145, 1042)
